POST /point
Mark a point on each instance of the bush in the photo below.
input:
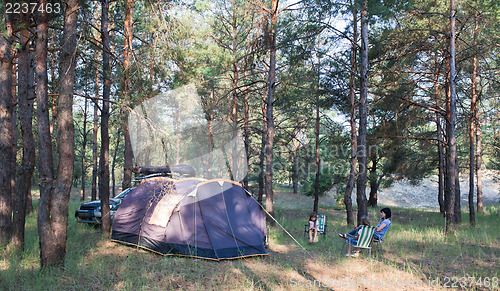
(326, 181)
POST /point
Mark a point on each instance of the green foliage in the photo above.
(328, 178)
(495, 157)
(326, 182)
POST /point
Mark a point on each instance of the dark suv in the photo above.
(90, 212)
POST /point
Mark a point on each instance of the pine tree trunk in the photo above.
(31, 97)
(104, 154)
(451, 156)
(7, 173)
(14, 131)
(269, 112)
(95, 171)
(472, 130)
(441, 165)
(472, 218)
(374, 182)
(84, 147)
(262, 155)
(318, 166)
(439, 136)
(53, 213)
(352, 119)
(477, 121)
(45, 167)
(113, 165)
(458, 209)
(362, 158)
(65, 130)
(295, 170)
(234, 156)
(25, 109)
(479, 160)
(234, 114)
(128, 154)
(246, 135)
(128, 157)
(210, 162)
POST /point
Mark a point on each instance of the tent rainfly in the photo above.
(214, 219)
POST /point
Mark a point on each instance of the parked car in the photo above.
(90, 212)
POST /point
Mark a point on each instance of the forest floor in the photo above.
(418, 256)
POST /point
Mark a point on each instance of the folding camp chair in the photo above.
(364, 240)
(322, 224)
(379, 243)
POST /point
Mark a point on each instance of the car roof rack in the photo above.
(141, 178)
(175, 171)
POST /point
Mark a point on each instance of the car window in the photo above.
(123, 194)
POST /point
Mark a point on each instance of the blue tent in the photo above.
(214, 219)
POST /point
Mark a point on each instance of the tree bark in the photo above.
(53, 216)
(458, 208)
(262, 155)
(104, 155)
(362, 158)
(84, 147)
(318, 166)
(65, 129)
(352, 119)
(269, 111)
(452, 171)
(13, 125)
(439, 136)
(7, 173)
(441, 165)
(477, 121)
(374, 182)
(128, 155)
(479, 159)
(234, 111)
(295, 170)
(95, 133)
(113, 165)
(472, 217)
(472, 123)
(32, 97)
(45, 158)
(25, 109)
(246, 134)
(210, 162)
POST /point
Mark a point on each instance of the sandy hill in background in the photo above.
(402, 194)
(424, 195)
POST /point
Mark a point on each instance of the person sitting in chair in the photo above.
(381, 229)
(384, 224)
(313, 228)
(354, 239)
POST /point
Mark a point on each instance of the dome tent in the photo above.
(214, 219)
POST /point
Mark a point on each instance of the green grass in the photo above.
(415, 247)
